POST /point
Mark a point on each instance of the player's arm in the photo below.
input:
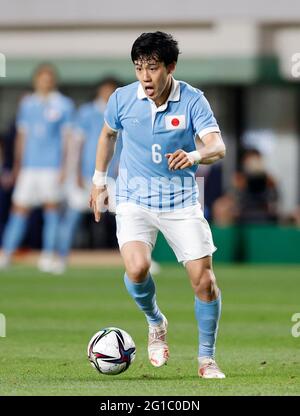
(105, 151)
(210, 149)
(78, 161)
(18, 152)
(67, 142)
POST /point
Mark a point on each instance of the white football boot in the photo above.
(5, 261)
(59, 266)
(45, 262)
(158, 350)
(208, 368)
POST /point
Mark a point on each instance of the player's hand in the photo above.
(98, 201)
(179, 160)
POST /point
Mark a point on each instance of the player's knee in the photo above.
(205, 285)
(19, 209)
(137, 270)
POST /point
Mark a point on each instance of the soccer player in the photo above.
(88, 125)
(168, 128)
(43, 127)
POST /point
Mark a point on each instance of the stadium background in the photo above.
(241, 56)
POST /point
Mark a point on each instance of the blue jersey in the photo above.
(90, 121)
(148, 133)
(44, 121)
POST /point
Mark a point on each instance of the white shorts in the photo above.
(186, 230)
(36, 187)
(78, 198)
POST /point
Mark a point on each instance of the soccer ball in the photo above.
(111, 351)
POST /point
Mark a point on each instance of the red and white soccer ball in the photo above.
(111, 351)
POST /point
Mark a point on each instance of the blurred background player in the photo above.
(44, 122)
(7, 142)
(89, 124)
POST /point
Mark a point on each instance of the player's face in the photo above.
(44, 82)
(155, 78)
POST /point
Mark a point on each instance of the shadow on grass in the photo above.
(145, 377)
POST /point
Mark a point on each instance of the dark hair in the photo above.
(155, 45)
(251, 151)
(108, 80)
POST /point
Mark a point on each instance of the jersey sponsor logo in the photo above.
(176, 122)
(135, 122)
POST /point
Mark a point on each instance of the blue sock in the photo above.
(207, 315)
(67, 228)
(14, 232)
(144, 296)
(51, 218)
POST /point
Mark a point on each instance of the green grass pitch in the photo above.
(51, 319)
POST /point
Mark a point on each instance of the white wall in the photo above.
(220, 40)
(76, 28)
(135, 11)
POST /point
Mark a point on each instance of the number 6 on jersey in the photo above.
(156, 155)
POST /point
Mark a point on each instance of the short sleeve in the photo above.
(203, 119)
(111, 116)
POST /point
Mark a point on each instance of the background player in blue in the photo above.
(167, 129)
(43, 127)
(88, 125)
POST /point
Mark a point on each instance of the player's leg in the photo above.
(13, 233)
(49, 235)
(136, 234)
(76, 204)
(138, 280)
(140, 285)
(67, 227)
(23, 199)
(207, 312)
(50, 192)
(189, 235)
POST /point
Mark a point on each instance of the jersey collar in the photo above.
(173, 96)
(51, 96)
